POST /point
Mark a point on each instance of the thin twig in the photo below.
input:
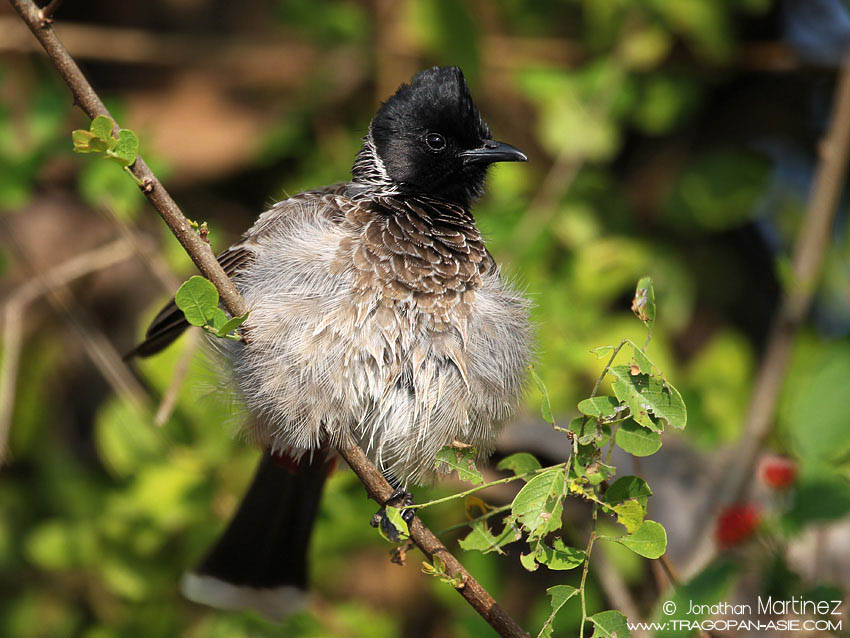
(376, 485)
(236, 62)
(483, 486)
(98, 348)
(89, 101)
(146, 252)
(247, 60)
(585, 568)
(669, 569)
(46, 14)
(477, 519)
(809, 252)
(607, 367)
(172, 392)
(12, 338)
(70, 270)
(543, 207)
(616, 590)
(15, 305)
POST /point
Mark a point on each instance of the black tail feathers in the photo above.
(260, 562)
(168, 324)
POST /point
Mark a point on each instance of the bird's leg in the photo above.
(400, 498)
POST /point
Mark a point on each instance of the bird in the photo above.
(376, 310)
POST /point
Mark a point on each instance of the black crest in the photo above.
(417, 139)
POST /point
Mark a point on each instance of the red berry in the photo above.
(778, 472)
(736, 524)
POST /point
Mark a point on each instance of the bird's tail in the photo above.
(260, 562)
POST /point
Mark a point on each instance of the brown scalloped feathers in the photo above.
(417, 251)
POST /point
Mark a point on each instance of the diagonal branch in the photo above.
(89, 101)
(376, 485)
(809, 252)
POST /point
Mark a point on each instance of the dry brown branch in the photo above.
(89, 101)
(244, 62)
(101, 351)
(147, 253)
(12, 339)
(616, 590)
(74, 268)
(809, 251)
(172, 393)
(234, 61)
(200, 253)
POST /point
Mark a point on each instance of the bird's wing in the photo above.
(169, 323)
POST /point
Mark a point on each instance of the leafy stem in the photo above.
(470, 522)
(586, 567)
(607, 367)
(483, 486)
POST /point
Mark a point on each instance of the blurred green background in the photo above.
(675, 138)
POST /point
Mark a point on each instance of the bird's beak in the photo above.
(493, 151)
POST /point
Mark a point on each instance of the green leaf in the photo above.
(819, 404)
(649, 540)
(528, 561)
(627, 487)
(538, 506)
(585, 456)
(232, 325)
(609, 624)
(461, 460)
(437, 568)
(81, 140)
(60, 544)
(125, 150)
(599, 407)
(101, 127)
(636, 440)
(198, 299)
(818, 499)
(584, 429)
(602, 351)
(545, 405)
(218, 320)
(630, 514)
(559, 595)
(643, 304)
(642, 361)
(719, 191)
(652, 400)
(519, 463)
(559, 557)
(86, 142)
(483, 540)
(597, 471)
(394, 516)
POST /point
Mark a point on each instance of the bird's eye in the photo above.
(435, 141)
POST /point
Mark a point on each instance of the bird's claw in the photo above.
(400, 498)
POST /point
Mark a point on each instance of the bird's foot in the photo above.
(400, 498)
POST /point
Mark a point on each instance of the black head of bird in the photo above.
(429, 138)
